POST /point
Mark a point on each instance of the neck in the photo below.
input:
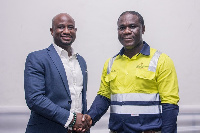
(133, 51)
(68, 48)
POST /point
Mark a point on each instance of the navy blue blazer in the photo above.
(47, 92)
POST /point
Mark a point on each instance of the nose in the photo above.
(127, 30)
(66, 31)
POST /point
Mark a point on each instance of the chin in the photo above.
(129, 46)
(67, 43)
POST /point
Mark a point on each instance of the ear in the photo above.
(143, 29)
(51, 30)
(75, 29)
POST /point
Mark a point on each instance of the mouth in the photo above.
(66, 38)
(128, 39)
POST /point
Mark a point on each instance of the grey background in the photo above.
(172, 26)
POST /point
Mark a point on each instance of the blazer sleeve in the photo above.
(34, 85)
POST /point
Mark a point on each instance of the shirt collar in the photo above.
(145, 49)
(59, 50)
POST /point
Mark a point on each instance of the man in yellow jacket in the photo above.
(139, 84)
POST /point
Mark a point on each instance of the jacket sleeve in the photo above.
(99, 107)
(102, 101)
(34, 85)
(169, 118)
(168, 90)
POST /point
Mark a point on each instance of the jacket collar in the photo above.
(145, 49)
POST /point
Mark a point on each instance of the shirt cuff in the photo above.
(69, 120)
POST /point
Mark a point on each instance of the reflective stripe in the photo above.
(154, 61)
(135, 110)
(135, 97)
(110, 64)
(135, 103)
(140, 103)
(152, 64)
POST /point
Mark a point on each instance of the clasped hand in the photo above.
(83, 123)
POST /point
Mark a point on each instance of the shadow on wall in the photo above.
(14, 120)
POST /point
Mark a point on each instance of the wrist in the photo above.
(73, 120)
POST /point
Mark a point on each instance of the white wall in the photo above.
(172, 26)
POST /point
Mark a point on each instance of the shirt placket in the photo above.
(74, 80)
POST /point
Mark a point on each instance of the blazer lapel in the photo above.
(85, 75)
(60, 68)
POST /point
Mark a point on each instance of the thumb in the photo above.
(83, 118)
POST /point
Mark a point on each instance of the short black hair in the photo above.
(141, 20)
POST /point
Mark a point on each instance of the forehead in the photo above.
(128, 19)
(63, 19)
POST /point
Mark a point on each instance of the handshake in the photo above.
(81, 123)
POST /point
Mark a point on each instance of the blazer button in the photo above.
(69, 102)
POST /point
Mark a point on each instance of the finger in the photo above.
(84, 126)
(88, 120)
(79, 130)
(83, 118)
(88, 123)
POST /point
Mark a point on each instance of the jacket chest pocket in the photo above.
(111, 76)
(145, 74)
(146, 81)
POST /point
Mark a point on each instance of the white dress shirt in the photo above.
(74, 78)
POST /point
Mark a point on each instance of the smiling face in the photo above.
(130, 31)
(63, 30)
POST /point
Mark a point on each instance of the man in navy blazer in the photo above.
(47, 83)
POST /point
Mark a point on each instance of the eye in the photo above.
(132, 26)
(121, 28)
(71, 27)
(61, 26)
